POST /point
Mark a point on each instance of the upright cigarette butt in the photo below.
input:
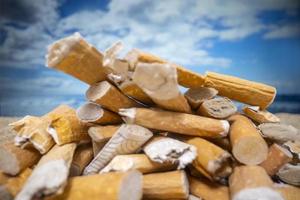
(14, 159)
(196, 96)
(279, 132)
(15, 184)
(138, 162)
(208, 190)
(65, 126)
(219, 108)
(260, 116)
(82, 157)
(288, 192)
(94, 113)
(159, 81)
(176, 122)
(186, 78)
(131, 89)
(248, 147)
(115, 185)
(33, 130)
(277, 157)
(108, 96)
(211, 158)
(251, 182)
(74, 56)
(290, 174)
(245, 91)
(51, 173)
(174, 185)
(127, 139)
(168, 150)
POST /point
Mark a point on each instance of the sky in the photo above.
(257, 40)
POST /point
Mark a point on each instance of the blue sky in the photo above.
(256, 40)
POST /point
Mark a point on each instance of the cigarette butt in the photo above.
(114, 185)
(260, 116)
(14, 159)
(248, 147)
(65, 126)
(251, 182)
(101, 135)
(224, 143)
(186, 78)
(127, 139)
(252, 93)
(211, 158)
(294, 148)
(174, 186)
(208, 190)
(15, 184)
(94, 113)
(138, 162)
(131, 89)
(114, 65)
(290, 174)
(108, 96)
(288, 192)
(159, 82)
(219, 108)
(277, 157)
(167, 150)
(279, 133)
(51, 173)
(196, 96)
(97, 146)
(33, 130)
(74, 56)
(176, 122)
(82, 157)
(3, 178)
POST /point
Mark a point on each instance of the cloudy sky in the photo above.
(258, 40)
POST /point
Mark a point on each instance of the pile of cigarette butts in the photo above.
(138, 136)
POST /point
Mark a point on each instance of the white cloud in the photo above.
(285, 31)
(181, 31)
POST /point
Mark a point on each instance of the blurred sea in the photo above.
(41, 104)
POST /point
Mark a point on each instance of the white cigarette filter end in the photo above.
(163, 149)
(279, 132)
(159, 81)
(59, 49)
(127, 139)
(94, 113)
(290, 174)
(264, 193)
(115, 66)
(50, 175)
